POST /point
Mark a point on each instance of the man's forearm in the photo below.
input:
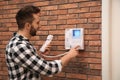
(65, 59)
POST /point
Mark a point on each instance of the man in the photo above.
(22, 60)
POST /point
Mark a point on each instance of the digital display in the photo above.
(76, 33)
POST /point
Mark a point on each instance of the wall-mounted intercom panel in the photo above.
(74, 37)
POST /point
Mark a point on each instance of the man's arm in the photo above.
(25, 56)
(71, 54)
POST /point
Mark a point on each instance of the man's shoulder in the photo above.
(14, 41)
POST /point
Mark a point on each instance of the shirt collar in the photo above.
(20, 36)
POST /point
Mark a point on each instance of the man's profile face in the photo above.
(35, 25)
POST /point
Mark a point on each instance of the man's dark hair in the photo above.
(25, 15)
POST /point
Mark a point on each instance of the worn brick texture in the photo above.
(56, 16)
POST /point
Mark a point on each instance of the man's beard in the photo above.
(33, 31)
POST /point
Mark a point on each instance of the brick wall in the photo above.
(56, 15)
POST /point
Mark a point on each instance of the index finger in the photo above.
(77, 47)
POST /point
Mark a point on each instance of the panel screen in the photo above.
(76, 33)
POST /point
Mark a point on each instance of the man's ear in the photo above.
(27, 26)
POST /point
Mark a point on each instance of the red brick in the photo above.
(52, 27)
(5, 69)
(4, 20)
(1, 8)
(90, 15)
(6, 33)
(100, 48)
(92, 48)
(58, 43)
(62, 74)
(90, 60)
(15, 2)
(0, 77)
(13, 11)
(1, 16)
(3, 2)
(92, 37)
(47, 78)
(94, 20)
(2, 55)
(94, 43)
(44, 3)
(48, 17)
(11, 15)
(4, 42)
(54, 52)
(42, 32)
(67, 6)
(38, 43)
(3, 73)
(12, 20)
(93, 72)
(69, 16)
(77, 76)
(85, 31)
(89, 26)
(2, 60)
(95, 9)
(77, 0)
(49, 7)
(58, 32)
(44, 13)
(61, 48)
(35, 38)
(76, 21)
(3, 29)
(10, 7)
(78, 10)
(27, 1)
(58, 1)
(58, 12)
(4, 37)
(43, 23)
(95, 66)
(89, 4)
(2, 46)
(94, 31)
(90, 55)
(13, 29)
(85, 43)
(94, 78)
(11, 25)
(57, 22)
(65, 26)
(61, 38)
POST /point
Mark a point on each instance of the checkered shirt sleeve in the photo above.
(31, 60)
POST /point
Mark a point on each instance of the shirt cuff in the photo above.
(59, 65)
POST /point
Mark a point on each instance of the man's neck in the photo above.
(24, 34)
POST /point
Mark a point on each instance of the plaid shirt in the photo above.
(24, 63)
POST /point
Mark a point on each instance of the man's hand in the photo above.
(74, 52)
(47, 49)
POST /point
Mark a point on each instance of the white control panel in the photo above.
(74, 37)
